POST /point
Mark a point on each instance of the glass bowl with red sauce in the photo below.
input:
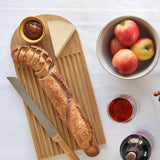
(32, 29)
(122, 108)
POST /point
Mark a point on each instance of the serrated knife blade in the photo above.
(51, 130)
(47, 125)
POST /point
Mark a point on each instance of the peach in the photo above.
(127, 32)
(115, 46)
(125, 62)
(144, 49)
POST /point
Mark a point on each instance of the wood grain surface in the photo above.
(73, 68)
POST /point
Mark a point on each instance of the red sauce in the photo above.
(33, 29)
(120, 109)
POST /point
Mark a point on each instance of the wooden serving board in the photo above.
(73, 68)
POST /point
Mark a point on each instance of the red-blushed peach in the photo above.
(115, 46)
(125, 62)
(144, 49)
(127, 32)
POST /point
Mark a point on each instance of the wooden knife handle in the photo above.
(68, 151)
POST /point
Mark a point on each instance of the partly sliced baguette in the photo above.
(61, 98)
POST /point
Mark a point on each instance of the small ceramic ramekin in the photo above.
(21, 30)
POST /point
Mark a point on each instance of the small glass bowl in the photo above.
(121, 118)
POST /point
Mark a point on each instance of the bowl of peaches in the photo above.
(128, 47)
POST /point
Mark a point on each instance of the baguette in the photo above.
(60, 96)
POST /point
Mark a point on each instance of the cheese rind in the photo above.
(60, 33)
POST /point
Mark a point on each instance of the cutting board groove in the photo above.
(73, 68)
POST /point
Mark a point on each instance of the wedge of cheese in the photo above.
(60, 33)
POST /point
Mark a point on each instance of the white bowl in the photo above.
(105, 58)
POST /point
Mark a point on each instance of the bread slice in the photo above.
(23, 51)
(45, 69)
(36, 57)
(44, 55)
(60, 33)
(29, 55)
(15, 53)
(39, 64)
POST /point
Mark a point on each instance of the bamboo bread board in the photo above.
(72, 66)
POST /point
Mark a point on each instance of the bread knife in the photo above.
(47, 125)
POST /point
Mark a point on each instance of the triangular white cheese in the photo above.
(60, 33)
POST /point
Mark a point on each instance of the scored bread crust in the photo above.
(23, 51)
(15, 53)
(39, 64)
(61, 98)
(35, 58)
(29, 55)
(45, 68)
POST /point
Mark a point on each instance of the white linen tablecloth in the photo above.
(89, 17)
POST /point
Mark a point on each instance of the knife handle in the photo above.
(68, 151)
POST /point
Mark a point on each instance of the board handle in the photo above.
(68, 151)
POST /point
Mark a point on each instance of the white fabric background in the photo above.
(89, 17)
